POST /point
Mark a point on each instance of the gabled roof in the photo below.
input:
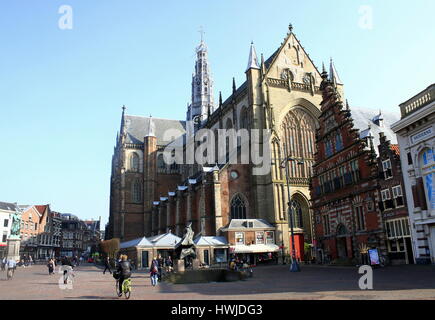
(210, 241)
(139, 242)
(164, 240)
(41, 208)
(138, 127)
(27, 208)
(9, 206)
(243, 224)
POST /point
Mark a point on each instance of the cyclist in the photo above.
(124, 270)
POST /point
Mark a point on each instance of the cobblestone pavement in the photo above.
(269, 282)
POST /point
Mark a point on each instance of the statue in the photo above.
(16, 225)
(185, 249)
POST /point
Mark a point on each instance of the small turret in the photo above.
(253, 60)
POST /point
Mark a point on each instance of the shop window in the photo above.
(240, 238)
(259, 238)
(220, 255)
(270, 239)
(427, 162)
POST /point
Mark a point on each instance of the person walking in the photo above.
(169, 264)
(124, 270)
(4, 261)
(50, 266)
(154, 272)
(12, 265)
(68, 267)
(107, 265)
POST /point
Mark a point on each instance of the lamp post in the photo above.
(294, 265)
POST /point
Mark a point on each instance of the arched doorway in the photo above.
(302, 226)
(341, 241)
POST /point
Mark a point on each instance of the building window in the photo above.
(326, 226)
(354, 170)
(134, 162)
(136, 191)
(427, 162)
(6, 223)
(297, 214)
(270, 238)
(240, 238)
(5, 235)
(360, 224)
(386, 199)
(398, 196)
(259, 238)
(328, 148)
(386, 167)
(238, 208)
(338, 142)
(161, 166)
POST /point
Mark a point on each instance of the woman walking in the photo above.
(154, 272)
(50, 266)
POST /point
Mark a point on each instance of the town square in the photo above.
(216, 150)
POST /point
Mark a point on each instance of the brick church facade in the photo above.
(281, 94)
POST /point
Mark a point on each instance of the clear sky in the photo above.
(61, 91)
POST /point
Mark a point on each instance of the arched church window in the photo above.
(297, 214)
(427, 164)
(244, 118)
(136, 192)
(134, 162)
(238, 208)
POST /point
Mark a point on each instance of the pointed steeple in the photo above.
(123, 121)
(253, 60)
(220, 99)
(202, 85)
(151, 128)
(324, 73)
(263, 65)
(333, 75)
(234, 85)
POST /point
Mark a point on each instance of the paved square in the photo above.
(269, 282)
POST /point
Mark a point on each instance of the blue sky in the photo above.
(61, 91)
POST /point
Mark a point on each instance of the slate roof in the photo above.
(363, 117)
(242, 224)
(211, 241)
(139, 242)
(137, 127)
(164, 240)
(9, 206)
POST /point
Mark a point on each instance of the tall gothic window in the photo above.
(134, 162)
(136, 192)
(244, 118)
(238, 208)
(298, 131)
(297, 214)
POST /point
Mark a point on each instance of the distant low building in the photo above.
(6, 209)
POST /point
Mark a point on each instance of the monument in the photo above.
(14, 240)
(185, 250)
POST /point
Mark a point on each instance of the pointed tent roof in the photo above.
(151, 128)
(165, 240)
(333, 74)
(139, 242)
(253, 60)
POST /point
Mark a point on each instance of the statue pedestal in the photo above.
(13, 249)
(195, 264)
(179, 265)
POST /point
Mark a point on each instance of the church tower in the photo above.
(202, 86)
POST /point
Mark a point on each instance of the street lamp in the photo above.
(294, 265)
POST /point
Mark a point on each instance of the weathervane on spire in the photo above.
(201, 31)
(290, 27)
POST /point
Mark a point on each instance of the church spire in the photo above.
(150, 132)
(202, 85)
(335, 79)
(123, 121)
(253, 60)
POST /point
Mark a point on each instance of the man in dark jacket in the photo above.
(124, 270)
(107, 265)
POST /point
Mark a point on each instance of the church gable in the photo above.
(291, 60)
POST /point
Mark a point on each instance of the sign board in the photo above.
(421, 135)
(374, 257)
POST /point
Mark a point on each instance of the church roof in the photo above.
(139, 242)
(8, 206)
(362, 117)
(165, 240)
(210, 241)
(138, 127)
(243, 224)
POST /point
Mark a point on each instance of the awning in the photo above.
(255, 248)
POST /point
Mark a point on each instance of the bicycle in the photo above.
(126, 288)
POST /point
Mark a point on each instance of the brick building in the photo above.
(392, 203)
(73, 231)
(344, 184)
